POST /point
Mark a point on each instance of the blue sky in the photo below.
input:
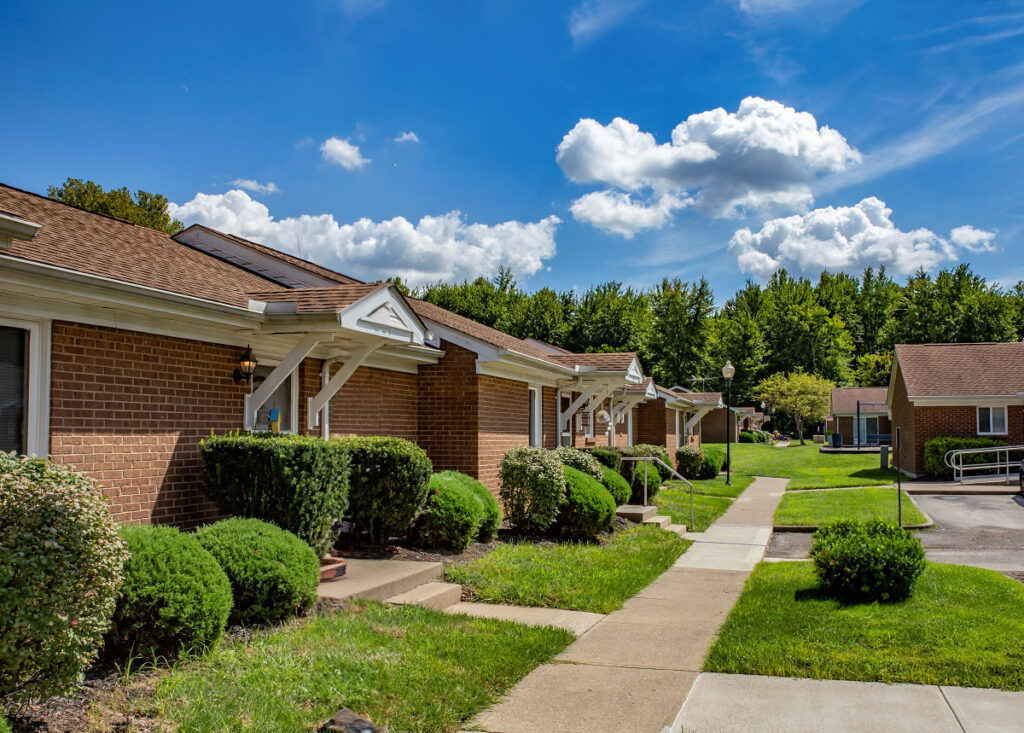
(872, 132)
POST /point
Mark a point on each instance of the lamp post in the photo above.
(728, 371)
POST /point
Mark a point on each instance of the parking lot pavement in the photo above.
(983, 531)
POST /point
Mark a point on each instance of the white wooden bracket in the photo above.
(355, 359)
(564, 416)
(692, 421)
(275, 379)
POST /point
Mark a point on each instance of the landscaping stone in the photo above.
(347, 721)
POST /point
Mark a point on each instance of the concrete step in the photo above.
(679, 529)
(378, 580)
(636, 512)
(659, 519)
(434, 595)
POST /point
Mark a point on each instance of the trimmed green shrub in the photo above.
(747, 437)
(273, 574)
(388, 484)
(617, 486)
(532, 488)
(580, 461)
(865, 562)
(297, 482)
(714, 462)
(607, 456)
(61, 564)
(588, 508)
(935, 451)
(646, 449)
(175, 598)
(492, 512)
(689, 460)
(5, 727)
(452, 515)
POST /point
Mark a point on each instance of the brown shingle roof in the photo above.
(962, 369)
(605, 362)
(79, 240)
(319, 300)
(284, 256)
(872, 399)
(703, 396)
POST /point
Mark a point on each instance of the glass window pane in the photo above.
(533, 416)
(13, 388)
(984, 420)
(998, 419)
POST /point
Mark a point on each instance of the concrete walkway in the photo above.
(734, 703)
(634, 668)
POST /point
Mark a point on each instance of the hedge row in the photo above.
(705, 462)
(935, 451)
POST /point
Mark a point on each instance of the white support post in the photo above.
(254, 401)
(701, 412)
(315, 404)
(566, 416)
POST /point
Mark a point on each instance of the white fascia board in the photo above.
(518, 373)
(862, 413)
(635, 372)
(11, 228)
(966, 400)
(483, 350)
(384, 313)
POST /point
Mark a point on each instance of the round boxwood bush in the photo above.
(452, 515)
(860, 562)
(387, 485)
(580, 461)
(175, 597)
(689, 459)
(616, 485)
(607, 456)
(588, 507)
(61, 563)
(532, 488)
(273, 574)
(492, 512)
(714, 461)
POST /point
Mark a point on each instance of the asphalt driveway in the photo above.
(979, 530)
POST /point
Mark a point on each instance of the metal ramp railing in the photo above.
(653, 459)
(995, 463)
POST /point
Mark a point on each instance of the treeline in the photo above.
(840, 327)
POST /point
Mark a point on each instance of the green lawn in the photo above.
(815, 508)
(715, 486)
(576, 576)
(706, 509)
(962, 626)
(409, 668)
(807, 468)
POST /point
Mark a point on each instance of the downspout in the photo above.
(325, 377)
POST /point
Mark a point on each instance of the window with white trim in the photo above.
(992, 420)
(536, 437)
(13, 389)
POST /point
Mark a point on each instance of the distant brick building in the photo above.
(869, 405)
(119, 347)
(957, 390)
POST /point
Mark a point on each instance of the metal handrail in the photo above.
(649, 459)
(1002, 463)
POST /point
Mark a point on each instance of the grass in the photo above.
(807, 468)
(408, 668)
(576, 576)
(706, 509)
(962, 626)
(815, 508)
(715, 486)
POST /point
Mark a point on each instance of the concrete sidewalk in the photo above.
(735, 703)
(634, 669)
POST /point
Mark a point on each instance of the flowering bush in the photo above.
(61, 565)
(580, 461)
(532, 488)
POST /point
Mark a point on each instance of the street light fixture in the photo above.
(728, 371)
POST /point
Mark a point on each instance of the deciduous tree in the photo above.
(800, 395)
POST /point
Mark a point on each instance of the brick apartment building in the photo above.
(868, 404)
(121, 347)
(957, 390)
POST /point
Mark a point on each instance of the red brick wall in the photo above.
(447, 408)
(376, 402)
(908, 458)
(712, 427)
(128, 409)
(549, 417)
(504, 424)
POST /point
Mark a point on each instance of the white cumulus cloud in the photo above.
(406, 137)
(344, 153)
(251, 184)
(617, 213)
(444, 247)
(764, 156)
(849, 238)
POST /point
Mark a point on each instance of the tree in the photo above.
(878, 298)
(609, 318)
(736, 336)
(872, 370)
(676, 343)
(145, 209)
(800, 395)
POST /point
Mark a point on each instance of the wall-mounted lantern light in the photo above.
(246, 366)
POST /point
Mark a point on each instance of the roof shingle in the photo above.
(319, 300)
(933, 370)
(872, 399)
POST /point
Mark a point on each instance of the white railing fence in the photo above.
(996, 463)
(652, 459)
